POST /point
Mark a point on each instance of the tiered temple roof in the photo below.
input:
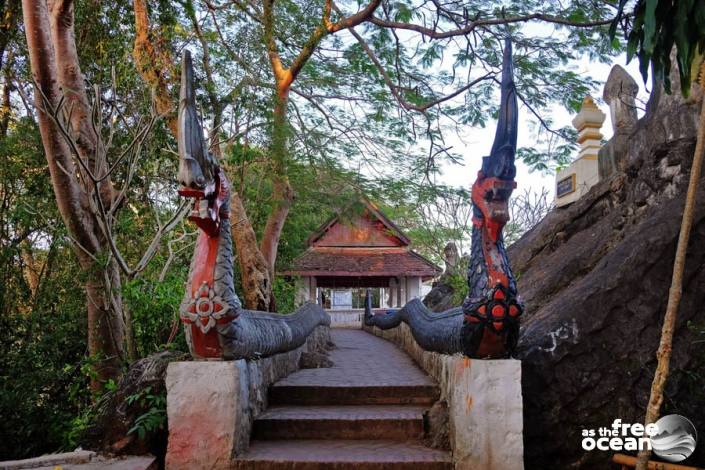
(361, 243)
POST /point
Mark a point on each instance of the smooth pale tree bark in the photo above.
(665, 347)
(54, 63)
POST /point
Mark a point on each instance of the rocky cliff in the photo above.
(595, 278)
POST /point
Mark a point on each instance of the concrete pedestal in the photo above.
(485, 406)
(206, 405)
(211, 405)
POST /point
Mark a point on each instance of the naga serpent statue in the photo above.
(487, 325)
(215, 324)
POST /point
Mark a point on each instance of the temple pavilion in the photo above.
(356, 249)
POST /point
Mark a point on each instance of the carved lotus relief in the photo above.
(204, 309)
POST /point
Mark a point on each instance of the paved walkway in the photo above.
(362, 360)
(365, 412)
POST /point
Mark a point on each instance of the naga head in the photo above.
(495, 181)
(200, 176)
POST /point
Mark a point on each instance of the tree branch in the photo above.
(394, 89)
(434, 34)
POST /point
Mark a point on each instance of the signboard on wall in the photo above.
(565, 186)
(341, 299)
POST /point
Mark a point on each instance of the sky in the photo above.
(476, 142)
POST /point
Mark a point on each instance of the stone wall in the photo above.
(211, 405)
(346, 318)
(483, 399)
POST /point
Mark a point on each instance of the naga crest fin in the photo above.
(500, 163)
(196, 164)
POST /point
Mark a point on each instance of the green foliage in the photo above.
(154, 418)
(285, 294)
(558, 152)
(658, 26)
(155, 307)
(43, 360)
(342, 109)
(432, 215)
(44, 378)
(459, 283)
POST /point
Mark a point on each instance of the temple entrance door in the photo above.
(344, 297)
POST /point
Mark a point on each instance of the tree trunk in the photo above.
(106, 329)
(254, 269)
(31, 268)
(6, 106)
(674, 294)
(68, 71)
(102, 282)
(153, 64)
(282, 193)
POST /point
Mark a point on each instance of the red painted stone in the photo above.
(205, 345)
(498, 311)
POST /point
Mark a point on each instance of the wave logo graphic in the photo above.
(676, 438)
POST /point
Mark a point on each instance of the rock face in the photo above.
(595, 278)
(620, 92)
(440, 298)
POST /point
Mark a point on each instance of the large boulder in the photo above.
(446, 292)
(595, 278)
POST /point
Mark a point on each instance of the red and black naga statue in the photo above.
(215, 324)
(487, 325)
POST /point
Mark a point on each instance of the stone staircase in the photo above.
(365, 412)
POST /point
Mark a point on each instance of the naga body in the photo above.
(487, 325)
(215, 324)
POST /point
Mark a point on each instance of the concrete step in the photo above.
(340, 422)
(342, 455)
(309, 395)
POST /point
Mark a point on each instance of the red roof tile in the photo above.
(371, 227)
(387, 261)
